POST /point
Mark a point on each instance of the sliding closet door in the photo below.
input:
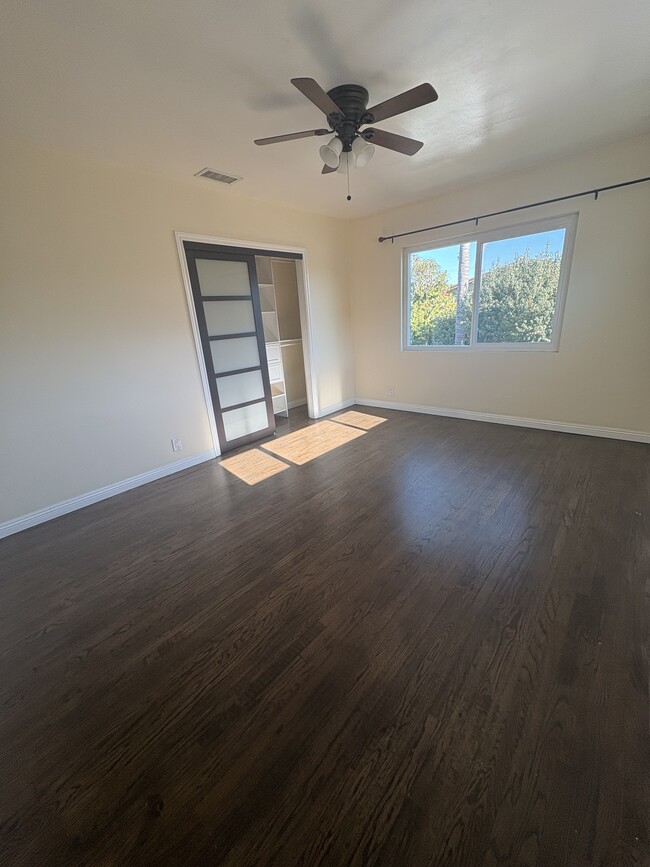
(227, 305)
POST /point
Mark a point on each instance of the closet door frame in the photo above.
(252, 248)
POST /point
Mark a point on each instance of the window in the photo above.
(501, 289)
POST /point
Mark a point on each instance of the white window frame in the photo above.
(568, 222)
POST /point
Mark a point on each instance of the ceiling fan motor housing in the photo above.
(352, 99)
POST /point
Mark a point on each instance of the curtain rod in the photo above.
(593, 193)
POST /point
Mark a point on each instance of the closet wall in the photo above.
(286, 293)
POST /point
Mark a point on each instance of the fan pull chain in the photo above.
(347, 166)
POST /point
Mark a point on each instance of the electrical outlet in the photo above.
(177, 444)
(391, 391)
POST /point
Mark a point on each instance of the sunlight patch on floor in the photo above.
(253, 466)
(311, 442)
(360, 419)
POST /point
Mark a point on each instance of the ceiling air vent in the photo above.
(217, 176)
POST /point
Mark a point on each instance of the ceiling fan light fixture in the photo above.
(330, 153)
(362, 151)
(346, 162)
(346, 110)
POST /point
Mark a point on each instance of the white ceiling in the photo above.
(175, 85)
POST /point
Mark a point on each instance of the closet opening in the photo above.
(279, 327)
(280, 303)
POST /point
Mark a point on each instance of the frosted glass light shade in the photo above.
(362, 151)
(330, 152)
(347, 160)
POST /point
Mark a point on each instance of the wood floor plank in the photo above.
(425, 645)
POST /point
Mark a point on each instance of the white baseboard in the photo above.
(564, 427)
(328, 410)
(15, 525)
(41, 515)
(294, 403)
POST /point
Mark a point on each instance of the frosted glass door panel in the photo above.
(240, 388)
(219, 277)
(228, 317)
(245, 420)
(234, 354)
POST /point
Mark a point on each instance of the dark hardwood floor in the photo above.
(425, 647)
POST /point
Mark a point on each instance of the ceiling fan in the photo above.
(345, 108)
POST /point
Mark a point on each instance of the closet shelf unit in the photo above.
(268, 302)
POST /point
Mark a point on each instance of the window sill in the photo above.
(485, 347)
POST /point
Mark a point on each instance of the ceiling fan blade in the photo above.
(392, 141)
(314, 92)
(291, 136)
(326, 170)
(414, 98)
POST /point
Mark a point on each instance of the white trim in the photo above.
(292, 404)
(237, 242)
(542, 424)
(511, 230)
(484, 347)
(568, 222)
(306, 332)
(15, 525)
(473, 332)
(336, 407)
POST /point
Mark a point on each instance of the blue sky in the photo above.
(447, 257)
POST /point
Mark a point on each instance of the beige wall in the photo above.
(97, 359)
(601, 374)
